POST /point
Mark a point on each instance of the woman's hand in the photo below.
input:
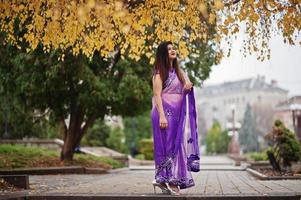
(163, 122)
(188, 85)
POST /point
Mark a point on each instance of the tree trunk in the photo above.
(74, 129)
(75, 133)
(68, 150)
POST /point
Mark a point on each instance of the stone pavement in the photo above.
(136, 184)
(208, 183)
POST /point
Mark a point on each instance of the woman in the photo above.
(176, 154)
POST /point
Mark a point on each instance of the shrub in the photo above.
(284, 144)
(147, 148)
(258, 156)
(140, 156)
(97, 134)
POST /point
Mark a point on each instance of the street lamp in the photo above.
(296, 113)
(234, 147)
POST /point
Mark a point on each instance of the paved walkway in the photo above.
(139, 182)
(131, 184)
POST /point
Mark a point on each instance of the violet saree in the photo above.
(176, 151)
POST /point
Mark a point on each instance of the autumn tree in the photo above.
(79, 34)
(259, 20)
(135, 27)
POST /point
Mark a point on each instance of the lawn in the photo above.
(19, 156)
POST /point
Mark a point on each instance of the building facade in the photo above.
(216, 102)
(289, 112)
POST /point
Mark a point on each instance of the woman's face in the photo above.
(172, 54)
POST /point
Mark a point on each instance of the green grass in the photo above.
(85, 158)
(257, 156)
(19, 156)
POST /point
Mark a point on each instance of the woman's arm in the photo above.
(157, 89)
(187, 84)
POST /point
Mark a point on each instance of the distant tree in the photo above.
(135, 129)
(116, 140)
(223, 142)
(248, 134)
(97, 134)
(217, 140)
(212, 138)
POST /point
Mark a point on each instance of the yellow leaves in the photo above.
(218, 5)
(223, 29)
(49, 13)
(211, 19)
(90, 25)
(21, 7)
(39, 23)
(118, 6)
(152, 61)
(203, 10)
(254, 17)
(229, 20)
(235, 30)
(218, 56)
(149, 54)
(91, 4)
(56, 14)
(183, 50)
(87, 26)
(61, 58)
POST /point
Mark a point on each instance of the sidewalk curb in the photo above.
(164, 197)
(53, 170)
(264, 177)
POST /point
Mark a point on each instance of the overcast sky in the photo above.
(283, 66)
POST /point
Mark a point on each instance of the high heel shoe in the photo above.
(173, 192)
(165, 190)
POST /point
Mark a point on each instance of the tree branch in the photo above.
(83, 130)
(88, 123)
(232, 3)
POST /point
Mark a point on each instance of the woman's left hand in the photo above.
(188, 85)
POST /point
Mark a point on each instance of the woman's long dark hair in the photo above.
(162, 62)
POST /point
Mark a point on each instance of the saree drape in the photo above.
(176, 149)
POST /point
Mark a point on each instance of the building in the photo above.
(216, 102)
(289, 112)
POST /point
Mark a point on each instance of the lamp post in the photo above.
(234, 147)
(296, 115)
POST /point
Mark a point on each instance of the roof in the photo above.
(286, 105)
(249, 84)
